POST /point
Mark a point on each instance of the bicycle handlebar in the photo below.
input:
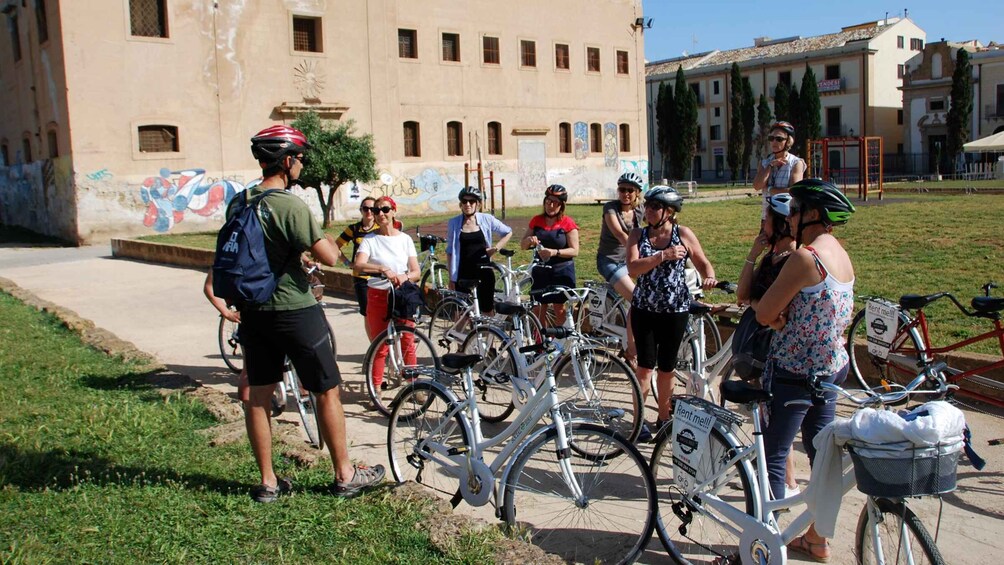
(932, 374)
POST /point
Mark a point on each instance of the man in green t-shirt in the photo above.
(291, 323)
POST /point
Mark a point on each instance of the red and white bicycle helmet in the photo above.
(271, 144)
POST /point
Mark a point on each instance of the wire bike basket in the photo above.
(893, 470)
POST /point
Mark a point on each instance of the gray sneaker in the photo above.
(266, 494)
(362, 478)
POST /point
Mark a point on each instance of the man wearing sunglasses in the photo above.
(355, 233)
(291, 322)
(782, 169)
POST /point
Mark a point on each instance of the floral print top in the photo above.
(812, 341)
(663, 289)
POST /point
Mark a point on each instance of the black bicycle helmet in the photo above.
(470, 192)
(783, 126)
(824, 196)
(633, 179)
(665, 195)
(557, 191)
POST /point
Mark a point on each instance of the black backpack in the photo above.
(241, 273)
(750, 346)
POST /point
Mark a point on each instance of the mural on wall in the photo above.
(639, 167)
(168, 199)
(580, 140)
(432, 190)
(532, 169)
(610, 148)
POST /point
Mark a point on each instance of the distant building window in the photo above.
(451, 47)
(307, 34)
(916, 44)
(834, 125)
(899, 148)
(625, 137)
(900, 71)
(718, 109)
(716, 88)
(622, 62)
(26, 148)
(158, 139)
(593, 59)
(494, 138)
(412, 140)
(53, 143)
(5, 154)
(696, 87)
(407, 44)
(148, 18)
(595, 138)
(491, 50)
(527, 53)
(899, 117)
(937, 104)
(454, 139)
(41, 21)
(15, 36)
(899, 42)
(832, 72)
(564, 137)
(561, 56)
(784, 77)
(716, 133)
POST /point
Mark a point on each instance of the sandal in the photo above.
(362, 478)
(266, 494)
(804, 546)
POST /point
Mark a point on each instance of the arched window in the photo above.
(595, 138)
(564, 137)
(412, 140)
(625, 137)
(454, 139)
(494, 138)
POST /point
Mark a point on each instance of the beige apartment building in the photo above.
(858, 69)
(988, 99)
(123, 117)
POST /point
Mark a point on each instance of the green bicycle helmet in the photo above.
(824, 196)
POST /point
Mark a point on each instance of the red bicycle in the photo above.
(909, 347)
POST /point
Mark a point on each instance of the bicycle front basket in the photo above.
(427, 242)
(902, 469)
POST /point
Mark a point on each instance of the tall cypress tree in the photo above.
(794, 110)
(764, 119)
(961, 110)
(809, 111)
(749, 125)
(736, 134)
(782, 98)
(684, 136)
(665, 115)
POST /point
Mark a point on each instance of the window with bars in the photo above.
(625, 137)
(593, 59)
(451, 47)
(490, 48)
(412, 140)
(158, 139)
(454, 139)
(148, 18)
(53, 143)
(561, 56)
(494, 138)
(41, 21)
(564, 137)
(622, 62)
(595, 138)
(407, 44)
(307, 34)
(527, 53)
(15, 36)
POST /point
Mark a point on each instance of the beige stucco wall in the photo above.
(989, 67)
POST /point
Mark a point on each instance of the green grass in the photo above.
(96, 467)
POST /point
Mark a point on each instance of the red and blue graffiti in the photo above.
(167, 199)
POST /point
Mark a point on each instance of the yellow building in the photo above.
(126, 117)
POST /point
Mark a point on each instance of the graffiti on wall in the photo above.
(167, 198)
(580, 140)
(431, 189)
(639, 167)
(39, 196)
(532, 169)
(610, 148)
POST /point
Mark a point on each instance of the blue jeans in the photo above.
(784, 422)
(611, 271)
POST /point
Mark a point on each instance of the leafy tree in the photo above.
(736, 134)
(665, 115)
(794, 111)
(810, 111)
(961, 110)
(764, 121)
(684, 136)
(782, 98)
(749, 123)
(337, 156)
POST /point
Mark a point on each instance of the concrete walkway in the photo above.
(163, 312)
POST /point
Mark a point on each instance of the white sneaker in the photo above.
(790, 492)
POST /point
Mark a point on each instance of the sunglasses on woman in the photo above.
(377, 209)
(625, 189)
(465, 201)
(777, 138)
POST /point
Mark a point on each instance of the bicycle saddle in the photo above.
(698, 308)
(914, 301)
(553, 293)
(509, 309)
(739, 392)
(988, 304)
(465, 285)
(507, 252)
(457, 361)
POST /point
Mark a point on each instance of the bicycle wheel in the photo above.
(449, 325)
(230, 347)
(867, 367)
(502, 289)
(306, 405)
(420, 434)
(491, 376)
(611, 523)
(608, 383)
(395, 350)
(712, 337)
(691, 532)
(897, 537)
(433, 281)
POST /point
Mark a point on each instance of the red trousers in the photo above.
(376, 322)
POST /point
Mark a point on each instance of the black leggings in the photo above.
(657, 337)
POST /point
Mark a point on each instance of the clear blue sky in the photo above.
(727, 24)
